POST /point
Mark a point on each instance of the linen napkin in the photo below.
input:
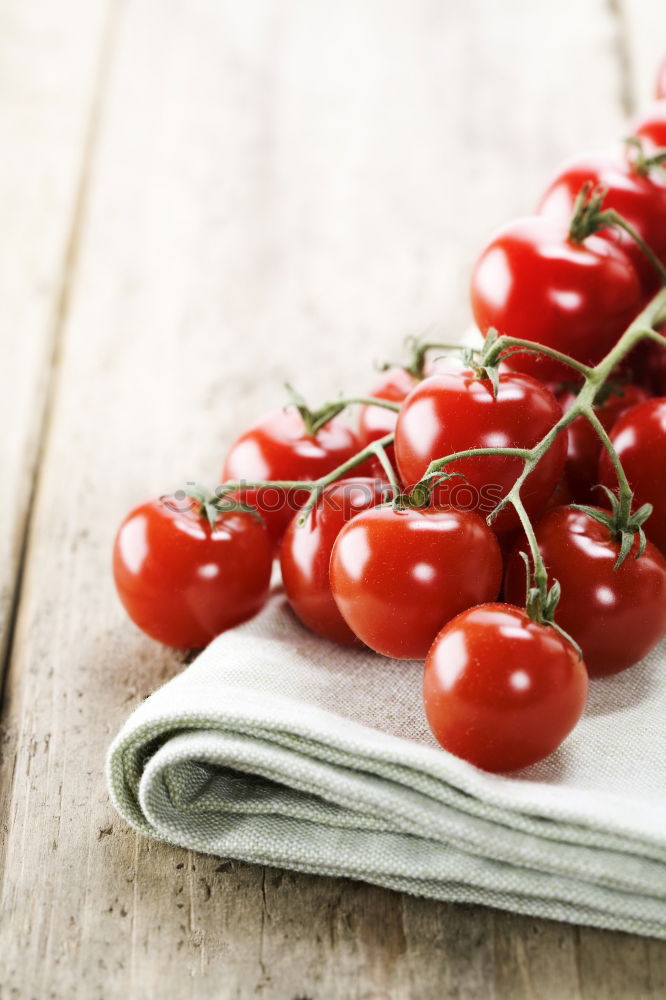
(280, 748)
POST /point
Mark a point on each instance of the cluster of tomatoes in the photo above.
(376, 551)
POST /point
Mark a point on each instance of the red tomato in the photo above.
(561, 495)
(183, 582)
(454, 411)
(660, 88)
(374, 422)
(534, 283)
(277, 447)
(650, 127)
(584, 446)
(640, 200)
(501, 691)
(615, 615)
(639, 438)
(646, 365)
(398, 576)
(305, 555)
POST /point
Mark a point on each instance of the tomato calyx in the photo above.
(623, 524)
(418, 351)
(541, 601)
(499, 347)
(641, 162)
(419, 497)
(211, 505)
(485, 363)
(419, 365)
(589, 217)
(314, 420)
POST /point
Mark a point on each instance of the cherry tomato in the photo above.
(561, 495)
(641, 200)
(501, 691)
(650, 127)
(374, 422)
(615, 615)
(183, 582)
(398, 576)
(660, 87)
(455, 411)
(305, 555)
(534, 283)
(646, 365)
(639, 438)
(277, 447)
(584, 446)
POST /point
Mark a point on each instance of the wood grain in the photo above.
(277, 190)
(47, 88)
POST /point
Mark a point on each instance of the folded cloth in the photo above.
(280, 748)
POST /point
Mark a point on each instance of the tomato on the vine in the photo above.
(640, 199)
(305, 555)
(455, 411)
(534, 283)
(500, 690)
(398, 575)
(584, 446)
(639, 438)
(278, 447)
(615, 615)
(183, 581)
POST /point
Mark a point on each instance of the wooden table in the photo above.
(200, 199)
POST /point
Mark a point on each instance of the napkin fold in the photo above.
(279, 748)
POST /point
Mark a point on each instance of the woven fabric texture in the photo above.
(280, 748)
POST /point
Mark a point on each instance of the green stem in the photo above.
(613, 218)
(625, 491)
(385, 463)
(385, 404)
(321, 417)
(311, 485)
(539, 571)
(530, 347)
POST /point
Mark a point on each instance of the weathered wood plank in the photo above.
(47, 76)
(279, 190)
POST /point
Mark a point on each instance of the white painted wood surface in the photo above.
(204, 199)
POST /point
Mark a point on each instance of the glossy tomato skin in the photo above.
(374, 422)
(532, 282)
(305, 555)
(616, 616)
(183, 582)
(583, 445)
(398, 576)
(277, 447)
(639, 438)
(650, 127)
(454, 411)
(501, 691)
(641, 200)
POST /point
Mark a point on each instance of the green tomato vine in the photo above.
(623, 522)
